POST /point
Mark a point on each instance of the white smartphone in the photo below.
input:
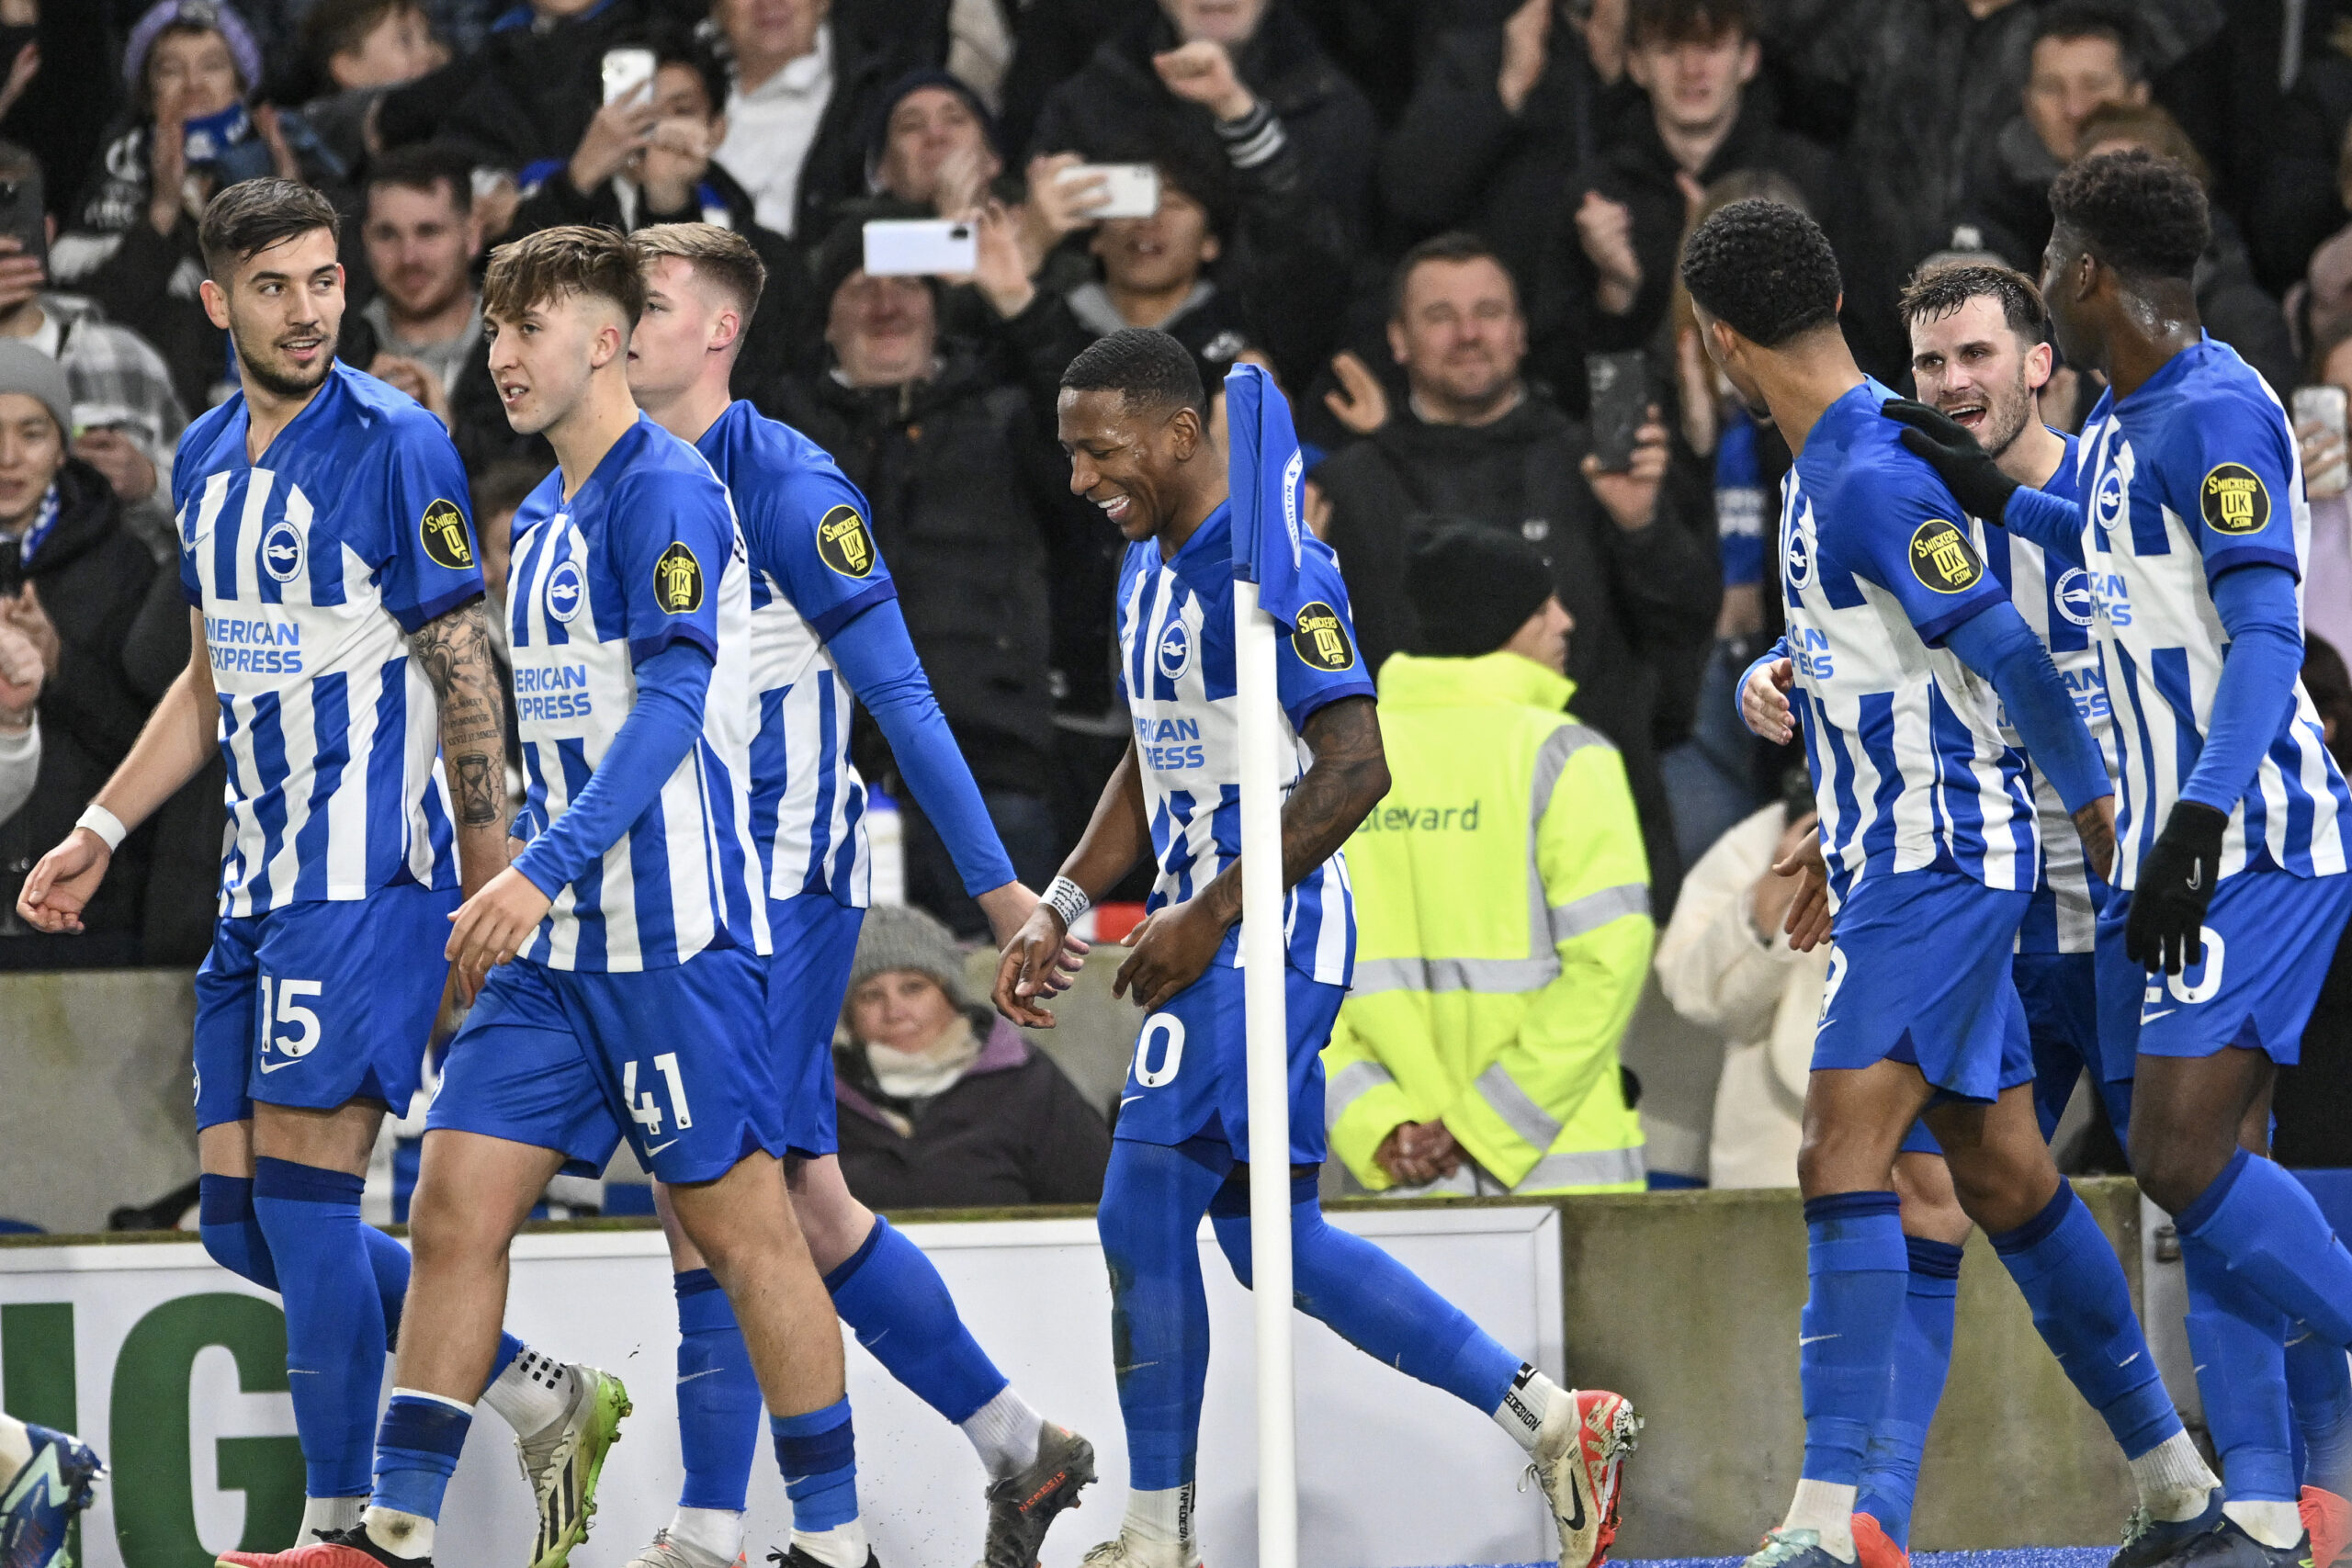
(921, 247)
(626, 70)
(1129, 190)
(2322, 408)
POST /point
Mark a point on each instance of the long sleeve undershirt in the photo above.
(1997, 644)
(2256, 605)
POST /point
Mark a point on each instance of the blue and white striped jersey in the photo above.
(2196, 472)
(312, 567)
(644, 554)
(2055, 597)
(1176, 669)
(814, 566)
(1903, 742)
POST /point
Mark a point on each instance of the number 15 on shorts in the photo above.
(644, 1109)
(281, 1008)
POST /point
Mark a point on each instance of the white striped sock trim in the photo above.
(434, 1399)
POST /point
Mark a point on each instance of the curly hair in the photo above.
(1148, 370)
(2143, 215)
(1763, 269)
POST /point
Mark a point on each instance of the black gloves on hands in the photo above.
(1945, 444)
(2166, 929)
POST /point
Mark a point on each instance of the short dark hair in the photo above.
(2142, 215)
(571, 259)
(249, 216)
(1764, 270)
(720, 255)
(1686, 21)
(17, 162)
(505, 485)
(1457, 246)
(677, 46)
(427, 166)
(1935, 292)
(2152, 127)
(1147, 369)
(333, 25)
(2089, 18)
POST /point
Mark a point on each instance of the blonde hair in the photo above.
(572, 258)
(721, 255)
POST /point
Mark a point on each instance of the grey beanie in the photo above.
(898, 937)
(24, 368)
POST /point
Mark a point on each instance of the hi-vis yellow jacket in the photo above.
(1503, 931)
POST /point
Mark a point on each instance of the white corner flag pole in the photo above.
(1268, 1037)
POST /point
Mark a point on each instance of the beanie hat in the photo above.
(24, 368)
(878, 125)
(221, 19)
(1472, 586)
(899, 937)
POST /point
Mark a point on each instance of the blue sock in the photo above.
(2319, 1387)
(889, 1292)
(2266, 1224)
(1371, 1301)
(416, 1452)
(2237, 1339)
(231, 1234)
(2082, 1303)
(817, 1453)
(334, 1317)
(1922, 1359)
(1150, 1219)
(1857, 1273)
(718, 1398)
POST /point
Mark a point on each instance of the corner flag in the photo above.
(1269, 479)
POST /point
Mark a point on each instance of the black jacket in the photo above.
(92, 575)
(1640, 600)
(526, 96)
(965, 510)
(1014, 1129)
(1118, 104)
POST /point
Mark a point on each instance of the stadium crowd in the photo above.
(1449, 228)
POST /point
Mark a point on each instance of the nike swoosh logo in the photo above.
(658, 1148)
(1131, 1100)
(2127, 1360)
(271, 1068)
(2152, 1017)
(706, 1372)
(1576, 1497)
(1815, 1340)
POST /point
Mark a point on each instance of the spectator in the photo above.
(2314, 1097)
(421, 238)
(934, 145)
(192, 67)
(523, 100)
(796, 114)
(1475, 441)
(2299, 196)
(1444, 1080)
(129, 417)
(20, 680)
(1921, 85)
(1725, 964)
(357, 51)
(1498, 115)
(497, 495)
(2083, 57)
(943, 1105)
(968, 495)
(1608, 270)
(2327, 573)
(2232, 305)
(77, 582)
(1244, 81)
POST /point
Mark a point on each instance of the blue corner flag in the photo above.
(1269, 478)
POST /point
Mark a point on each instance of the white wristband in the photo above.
(105, 824)
(1067, 899)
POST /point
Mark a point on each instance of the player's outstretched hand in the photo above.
(1008, 908)
(2167, 927)
(491, 928)
(2095, 825)
(1028, 968)
(62, 884)
(1174, 948)
(1807, 921)
(1764, 702)
(1968, 470)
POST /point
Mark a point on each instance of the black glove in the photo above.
(1967, 469)
(2167, 927)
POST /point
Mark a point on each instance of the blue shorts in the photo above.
(317, 1004)
(1189, 1078)
(2059, 994)
(2270, 937)
(1921, 974)
(676, 1060)
(815, 941)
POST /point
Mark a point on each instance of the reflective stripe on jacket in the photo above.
(1503, 928)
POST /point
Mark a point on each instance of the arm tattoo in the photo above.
(455, 650)
(1347, 777)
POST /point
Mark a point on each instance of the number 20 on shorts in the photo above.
(1163, 1033)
